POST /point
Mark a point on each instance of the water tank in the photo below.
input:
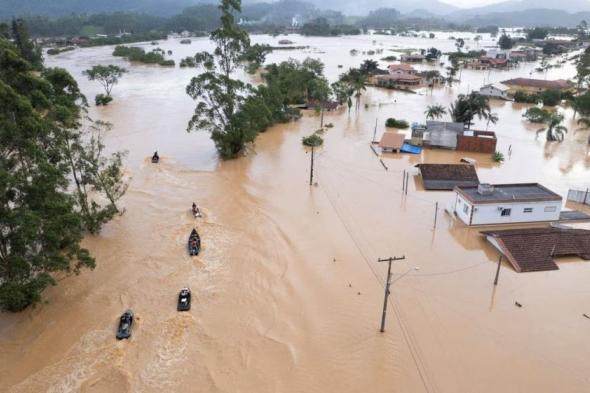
(485, 189)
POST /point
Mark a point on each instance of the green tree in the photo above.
(343, 93)
(41, 229)
(554, 129)
(536, 115)
(459, 43)
(218, 96)
(467, 107)
(107, 75)
(505, 42)
(435, 112)
(369, 67)
(357, 81)
(28, 50)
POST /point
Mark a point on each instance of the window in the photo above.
(528, 209)
(465, 209)
(550, 209)
(506, 212)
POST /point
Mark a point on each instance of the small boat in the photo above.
(194, 243)
(184, 300)
(125, 323)
(196, 211)
(155, 158)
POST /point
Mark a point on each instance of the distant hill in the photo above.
(525, 18)
(571, 6)
(363, 7)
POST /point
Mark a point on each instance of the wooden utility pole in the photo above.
(375, 130)
(311, 171)
(498, 270)
(435, 214)
(387, 284)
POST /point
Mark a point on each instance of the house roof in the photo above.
(392, 140)
(401, 67)
(539, 83)
(533, 249)
(506, 193)
(497, 86)
(448, 176)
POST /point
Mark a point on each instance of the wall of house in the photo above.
(492, 92)
(476, 144)
(492, 213)
(463, 209)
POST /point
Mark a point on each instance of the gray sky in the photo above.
(471, 3)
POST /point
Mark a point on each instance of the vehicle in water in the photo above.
(196, 211)
(155, 158)
(125, 324)
(194, 243)
(184, 300)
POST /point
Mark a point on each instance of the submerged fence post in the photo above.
(407, 179)
(435, 214)
(404, 181)
(498, 270)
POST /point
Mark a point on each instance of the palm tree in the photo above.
(492, 118)
(435, 112)
(466, 107)
(356, 79)
(554, 130)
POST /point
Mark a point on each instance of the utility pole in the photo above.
(375, 130)
(387, 284)
(311, 171)
(498, 270)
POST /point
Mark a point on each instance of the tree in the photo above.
(369, 67)
(218, 96)
(536, 115)
(357, 81)
(107, 75)
(435, 112)
(553, 129)
(27, 49)
(505, 42)
(343, 94)
(459, 43)
(583, 68)
(40, 228)
(491, 118)
(467, 107)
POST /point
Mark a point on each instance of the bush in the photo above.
(188, 61)
(102, 99)
(498, 156)
(522, 97)
(394, 123)
(313, 140)
(551, 97)
(536, 115)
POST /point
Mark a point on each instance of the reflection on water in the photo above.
(287, 289)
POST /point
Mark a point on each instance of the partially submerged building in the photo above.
(392, 141)
(506, 204)
(399, 75)
(534, 86)
(448, 176)
(534, 249)
(495, 90)
(453, 136)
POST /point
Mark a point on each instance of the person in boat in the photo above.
(156, 157)
(196, 210)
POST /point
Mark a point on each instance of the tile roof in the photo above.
(448, 176)
(533, 249)
(401, 67)
(539, 83)
(392, 140)
(505, 193)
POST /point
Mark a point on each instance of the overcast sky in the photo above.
(471, 3)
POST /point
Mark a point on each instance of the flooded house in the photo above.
(447, 176)
(453, 136)
(506, 204)
(413, 58)
(495, 90)
(399, 75)
(392, 141)
(533, 86)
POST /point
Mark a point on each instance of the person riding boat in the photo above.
(155, 157)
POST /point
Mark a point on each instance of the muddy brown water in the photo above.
(287, 291)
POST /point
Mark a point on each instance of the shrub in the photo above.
(536, 115)
(313, 140)
(550, 97)
(522, 97)
(102, 99)
(498, 156)
(394, 123)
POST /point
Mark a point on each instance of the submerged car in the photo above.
(125, 323)
(184, 300)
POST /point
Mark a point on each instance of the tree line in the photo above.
(57, 183)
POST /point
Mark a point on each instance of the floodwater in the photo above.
(287, 290)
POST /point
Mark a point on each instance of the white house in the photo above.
(495, 90)
(506, 204)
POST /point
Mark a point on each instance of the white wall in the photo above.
(491, 214)
(490, 91)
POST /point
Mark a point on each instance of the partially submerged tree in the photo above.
(554, 129)
(469, 106)
(433, 112)
(108, 76)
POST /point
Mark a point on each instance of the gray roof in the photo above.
(448, 176)
(526, 192)
(444, 134)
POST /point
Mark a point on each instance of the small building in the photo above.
(448, 176)
(477, 141)
(533, 86)
(415, 58)
(495, 90)
(534, 249)
(392, 141)
(401, 67)
(506, 204)
(493, 62)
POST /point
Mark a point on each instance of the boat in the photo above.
(125, 323)
(184, 300)
(194, 243)
(196, 211)
(155, 158)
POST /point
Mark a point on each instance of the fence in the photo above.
(579, 196)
